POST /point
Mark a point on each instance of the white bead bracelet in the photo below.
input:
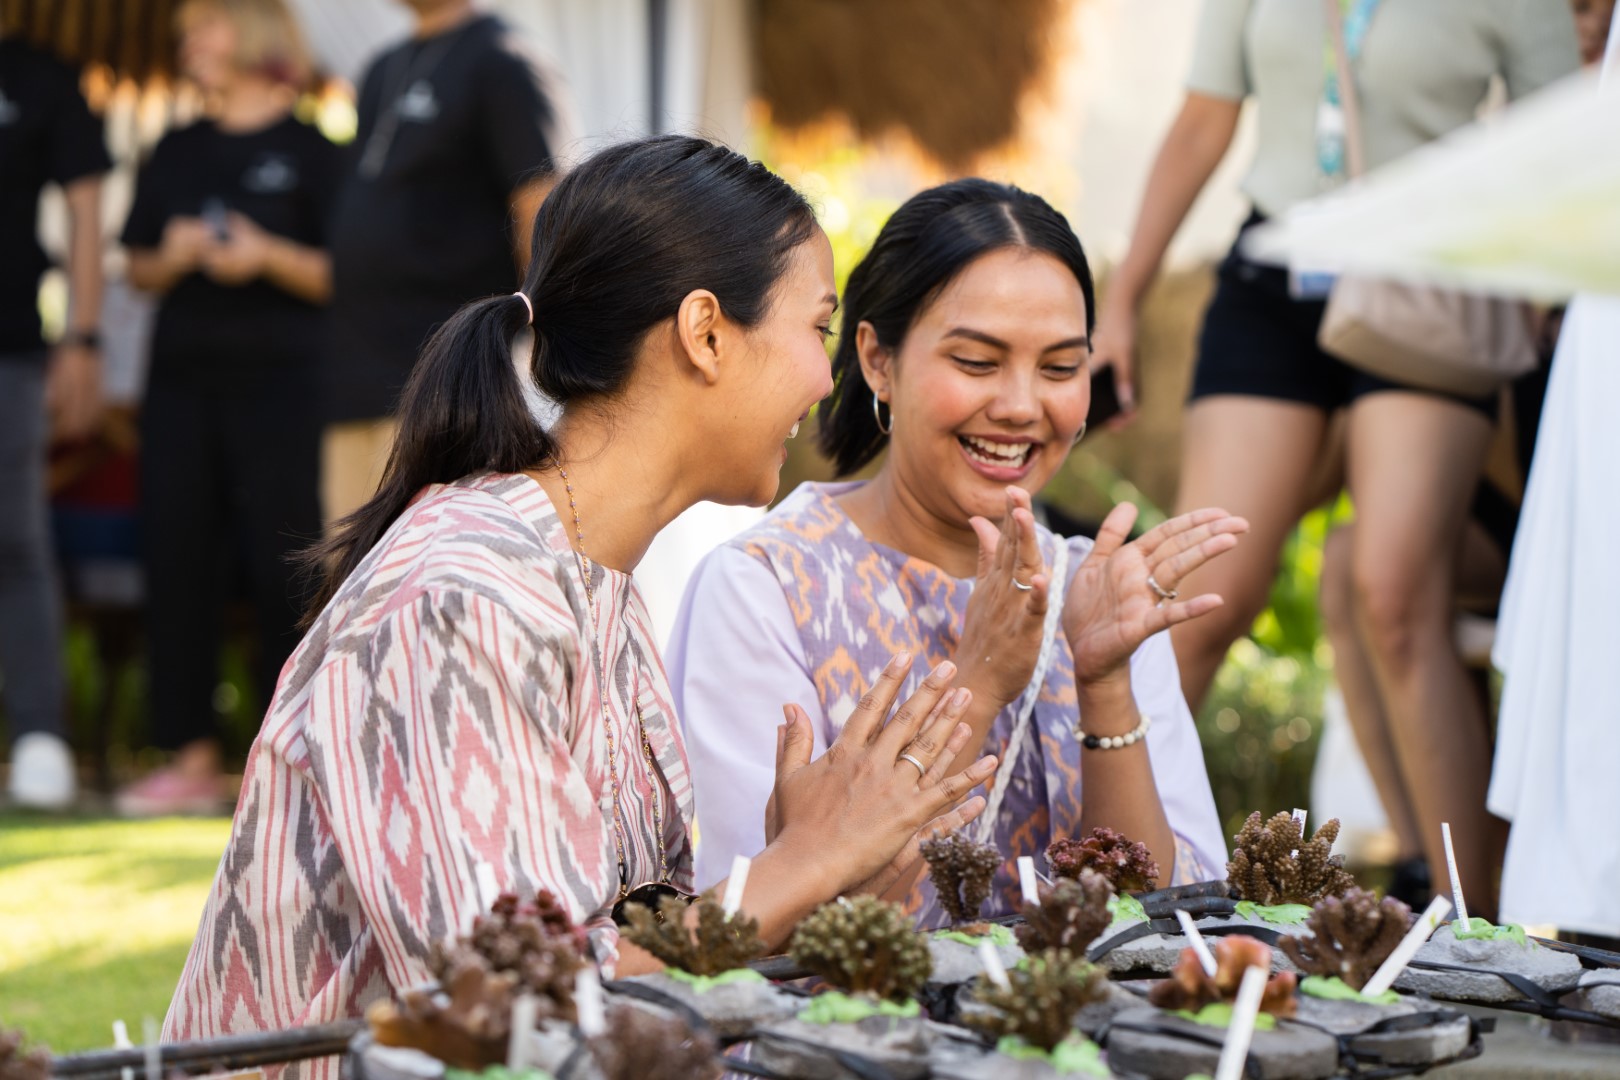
(1115, 742)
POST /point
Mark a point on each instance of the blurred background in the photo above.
(858, 104)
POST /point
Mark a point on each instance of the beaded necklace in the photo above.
(607, 722)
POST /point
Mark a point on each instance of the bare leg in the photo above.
(1352, 670)
(1253, 457)
(1413, 462)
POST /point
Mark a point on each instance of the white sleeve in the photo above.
(735, 659)
(1178, 763)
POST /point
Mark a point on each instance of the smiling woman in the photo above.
(964, 355)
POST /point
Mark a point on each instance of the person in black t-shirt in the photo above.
(47, 136)
(229, 225)
(447, 170)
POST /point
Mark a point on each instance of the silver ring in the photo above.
(1020, 586)
(1161, 592)
(922, 770)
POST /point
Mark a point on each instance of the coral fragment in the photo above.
(1127, 864)
(1351, 937)
(1272, 862)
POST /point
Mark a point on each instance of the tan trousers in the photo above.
(353, 456)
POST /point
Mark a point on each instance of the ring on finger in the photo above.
(1161, 592)
(1020, 586)
(922, 770)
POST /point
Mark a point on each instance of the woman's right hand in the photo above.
(1002, 627)
(185, 241)
(846, 815)
(1113, 345)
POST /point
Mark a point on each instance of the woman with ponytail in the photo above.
(963, 365)
(479, 686)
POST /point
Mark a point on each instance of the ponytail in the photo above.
(462, 412)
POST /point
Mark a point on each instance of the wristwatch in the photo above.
(84, 339)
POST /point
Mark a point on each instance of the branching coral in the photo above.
(1353, 935)
(533, 940)
(464, 1022)
(1070, 915)
(1273, 863)
(521, 946)
(19, 1064)
(1041, 998)
(863, 945)
(1188, 987)
(962, 871)
(714, 945)
(640, 1044)
(1127, 865)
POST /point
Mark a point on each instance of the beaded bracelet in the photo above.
(1115, 742)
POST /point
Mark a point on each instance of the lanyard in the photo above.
(1330, 123)
(415, 71)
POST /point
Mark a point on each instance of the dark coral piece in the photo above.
(17, 1063)
(1351, 936)
(1040, 1000)
(1273, 863)
(532, 940)
(1189, 987)
(962, 870)
(520, 946)
(640, 1043)
(1127, 864)
(714, 945)
(863, 945)
(1070, 915)
(465, 1021)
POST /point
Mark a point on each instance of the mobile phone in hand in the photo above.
(213, 214)
(1104, 398)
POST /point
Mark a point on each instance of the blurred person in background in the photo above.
(1480, 568)
(449, 164)
(229, 228)
(47, 136)
(1263, 391)
(1592, 19)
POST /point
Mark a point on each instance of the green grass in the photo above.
(96, 917)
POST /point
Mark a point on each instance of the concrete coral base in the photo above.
(811, 1051)
(1289, 1052)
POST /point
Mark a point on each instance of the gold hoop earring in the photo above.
(1079, 434)
(878, 416)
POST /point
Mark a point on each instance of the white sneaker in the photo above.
(42, 772)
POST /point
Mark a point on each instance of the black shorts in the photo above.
(1259, 341)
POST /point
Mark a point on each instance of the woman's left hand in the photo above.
(896, 879)
(1112, 606)
(241, 256)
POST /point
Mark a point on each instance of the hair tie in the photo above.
(527, 303)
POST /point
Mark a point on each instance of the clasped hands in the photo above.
(190, 244)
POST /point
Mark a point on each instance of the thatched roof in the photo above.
(130, 38)
(950, 73)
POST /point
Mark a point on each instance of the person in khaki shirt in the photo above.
(1263, 395)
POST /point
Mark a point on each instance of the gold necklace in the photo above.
(607, 721)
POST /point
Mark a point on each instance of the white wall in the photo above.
(1124, 94)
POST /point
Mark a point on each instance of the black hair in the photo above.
(921, 249)
(617, 246)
